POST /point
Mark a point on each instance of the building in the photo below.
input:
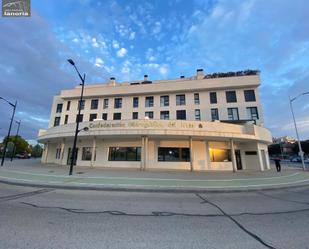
(204, 122)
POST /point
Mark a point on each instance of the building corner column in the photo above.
(46, 152)
(62, 150)
(233, 156)
(207, 163)
(143, 153)
(146, 152)
(93, 153)
(191, 153)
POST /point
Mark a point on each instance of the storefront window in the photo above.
(87, 153)
(173, 154)
(124, 154)
(220, 155)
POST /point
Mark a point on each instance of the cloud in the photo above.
(132, 36)
(163, 70)
(121, 52)
(98, 62)
(33, 69)
(115, 44)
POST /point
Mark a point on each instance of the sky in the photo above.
(161, 38)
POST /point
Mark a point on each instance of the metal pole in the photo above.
(298, 141)
(9, 132)
(77, 124)
(15, 140)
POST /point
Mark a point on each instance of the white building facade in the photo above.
(205, 122)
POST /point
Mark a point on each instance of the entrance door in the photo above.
(238, 159)
(70, 156)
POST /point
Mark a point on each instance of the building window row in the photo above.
(173, 154)
(233, 114)
(231, 97)
(124, 154)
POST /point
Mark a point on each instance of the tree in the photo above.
(21, 144)
(274, 149)
(37, 151)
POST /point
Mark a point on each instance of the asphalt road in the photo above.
(46, 218)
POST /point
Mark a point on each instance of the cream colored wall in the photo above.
(127, 107)
(187, 86)
(200, 154)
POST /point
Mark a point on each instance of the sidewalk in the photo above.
(32, 173)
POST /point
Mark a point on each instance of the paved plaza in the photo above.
(33, 173)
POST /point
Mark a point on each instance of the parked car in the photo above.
(295, 159)
(23, 156)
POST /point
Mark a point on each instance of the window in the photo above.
(79, 118)
(232, 113)
(66, 118)
(105, 103)
(81, 104)
(57, 121)
(230, 96)
(135, 115)
(180, 99)
(249, 95)
(58, 153)
(173, 154)
(196, 98)
(149, 115)
(92, 117)
(68, 105)
(213, 97)
(181, 114)
(197, 114)
(59, 108)
(164, 100)
(220, 155)
(250, 153)
(104, 116)
(164, 115)
(117, 116)
(94, 104)
(124, 154)
(149, 101)
(214, 114)
(118, 103)
(87, 154)
(252, 113)
(135, 102)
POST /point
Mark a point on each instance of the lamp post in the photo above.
(78, 115)
(15, 140)
(9, 132)
(301, 153)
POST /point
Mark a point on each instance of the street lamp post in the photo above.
(301, 153)
(9, 132)
(15, 140)
(78, 116)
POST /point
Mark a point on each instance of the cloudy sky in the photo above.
(162, 38)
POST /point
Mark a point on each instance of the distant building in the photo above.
(204, 122)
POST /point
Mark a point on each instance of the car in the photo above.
(295, 159)
(23, 156)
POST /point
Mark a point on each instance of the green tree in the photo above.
(37, 151)
(21, 144)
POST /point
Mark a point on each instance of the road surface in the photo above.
(48, 218)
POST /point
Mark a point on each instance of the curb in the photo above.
(151, 190)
